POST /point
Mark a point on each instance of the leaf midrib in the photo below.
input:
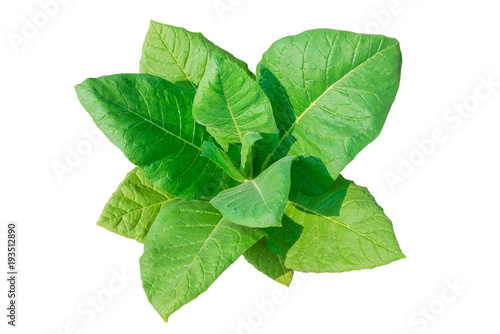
(229, 108)
(298, 118)
(185, 272)
(144, 118)
(261, 195)
(175, 58)
(140, 209)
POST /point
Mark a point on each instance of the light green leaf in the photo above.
(343, 229)
(247, 152)
(221, 158)
(268, 263)
(133, 206)
(179, 55)
(259, 202)
(189, 245)
(331, 93)
(150, 120)
(230, 103)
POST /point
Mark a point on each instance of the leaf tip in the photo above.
(85, 85)
(153, 23)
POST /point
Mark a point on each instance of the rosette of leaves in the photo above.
(230, 163)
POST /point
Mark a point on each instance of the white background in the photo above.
(444, 210)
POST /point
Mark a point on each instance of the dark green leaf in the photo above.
(247, 152)
(221, 158)
(150, 120)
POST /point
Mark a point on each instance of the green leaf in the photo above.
(230, 103)
(247, 152)
(343, 229)
(221, 158)
(268, 263)
(134, 206)
(179, 55)
(331, 93)
(150, 120)
(189, 245)
(259, 202)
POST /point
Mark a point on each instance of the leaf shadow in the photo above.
(305, 175)
(329, 203)
(281, 239)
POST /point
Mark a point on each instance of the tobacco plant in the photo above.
(230, 163)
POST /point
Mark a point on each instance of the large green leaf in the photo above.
(259, 202)
(230, 103)
(331, 92)
(189, 245)
(179, 55)
(150, 120)
(270, 264)
(134, 206)
(342, 229)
